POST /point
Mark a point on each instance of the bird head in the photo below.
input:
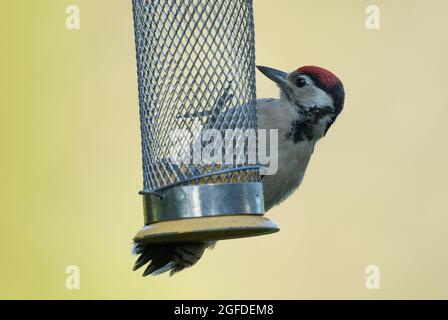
(312, 90)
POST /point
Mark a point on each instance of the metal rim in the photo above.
(204, 201)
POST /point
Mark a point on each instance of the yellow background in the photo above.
(375, 193)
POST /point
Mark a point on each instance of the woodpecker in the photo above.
(311, 98)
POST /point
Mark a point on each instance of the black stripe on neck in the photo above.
(303, 127)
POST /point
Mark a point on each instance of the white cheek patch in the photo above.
(321, 98)
(312, 96)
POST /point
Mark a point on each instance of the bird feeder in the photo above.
(196, 71)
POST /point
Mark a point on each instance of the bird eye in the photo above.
(300, 82)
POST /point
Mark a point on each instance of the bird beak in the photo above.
(275, 75)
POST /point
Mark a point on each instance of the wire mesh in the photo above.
(196, 70)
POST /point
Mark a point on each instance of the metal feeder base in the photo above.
(206, 229)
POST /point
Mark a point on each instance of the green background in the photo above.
(375, 192)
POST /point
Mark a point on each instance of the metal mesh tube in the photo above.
(196, 70)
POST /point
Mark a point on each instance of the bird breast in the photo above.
(293, 158)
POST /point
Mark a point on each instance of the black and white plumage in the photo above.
(311, 98)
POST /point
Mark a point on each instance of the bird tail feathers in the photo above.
(173, 257)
